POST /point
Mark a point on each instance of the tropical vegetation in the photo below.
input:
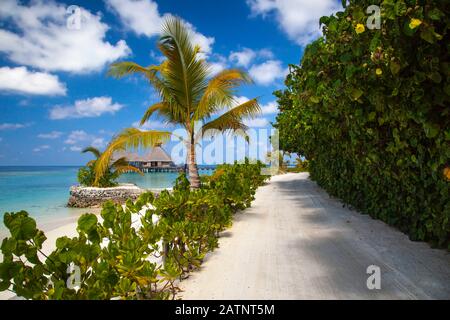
(369, 110)
(86, 174)
(189, 95)
(136, 251)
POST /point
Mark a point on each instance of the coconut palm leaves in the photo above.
(92, 150)
(113, 168)
(187, 94)
(130, 138)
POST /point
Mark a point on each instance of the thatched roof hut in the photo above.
(156, 158)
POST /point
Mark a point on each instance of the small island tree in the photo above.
(86, 175)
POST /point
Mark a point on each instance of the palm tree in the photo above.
(116, 167)
(188, 94)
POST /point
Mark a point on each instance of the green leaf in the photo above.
(39, 239)
(62, 242)
(435, 14)
(87, 222)
(314, 99)
(431, 130)
(357, 93)
(23, 228)
(427, 34)
(447, 89)
(395, 67)
(400, 8)
(4, 285)
(436, 77)
(8, 245)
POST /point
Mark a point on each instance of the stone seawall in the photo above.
(87, 197)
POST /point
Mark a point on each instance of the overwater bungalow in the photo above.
(157, 160)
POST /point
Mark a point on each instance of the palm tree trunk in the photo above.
(194, 178)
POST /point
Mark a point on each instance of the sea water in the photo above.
(43, 191)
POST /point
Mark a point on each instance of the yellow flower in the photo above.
(447, 173)
(360, 28)
(379, 72)
(415, 23)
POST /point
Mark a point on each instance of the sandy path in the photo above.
(297, 243)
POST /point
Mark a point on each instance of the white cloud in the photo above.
(23, 81)
(141, 16)
(157, 56)
(152, 125)
(216, 67)
(98, 143)
(256, 123)
(144, 19)
(13, 126)
(299, 19)
(76, 149)
(88, 108)
(218, 64)
(51, 135)
(109, 133)
(41, 148)
(265, 53)
(243, 58)
(240, 100)
(78, 138)
(269, 108)
(43, 39)
(267, 72)
(247, 56)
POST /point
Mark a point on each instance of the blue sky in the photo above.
(55, 97)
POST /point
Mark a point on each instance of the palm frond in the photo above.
(184, 74)
(157, 107)
(219, 93)
(125, 68)
(90, 163)
(120, 162)
(127, 168)
(233, 119)
(92, 150)
(128, 139)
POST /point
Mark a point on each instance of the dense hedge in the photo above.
(121, 259)
(370, 109)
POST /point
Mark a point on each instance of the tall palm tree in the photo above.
(188, 94)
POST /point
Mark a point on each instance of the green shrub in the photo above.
(114, 257)
(86, 178)
(370, 111)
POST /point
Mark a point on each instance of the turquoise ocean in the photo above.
(44, 191)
